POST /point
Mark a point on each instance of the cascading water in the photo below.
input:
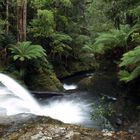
(14, 99)
(69, 87)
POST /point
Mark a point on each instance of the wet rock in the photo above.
(76, 136)
(131, 131)
(69, 135)
(85, 84)
(44, 128)
(39, 136)
(118, 122)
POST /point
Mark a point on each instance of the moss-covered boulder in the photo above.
(85, 83)
(44, 81)
(100, 83)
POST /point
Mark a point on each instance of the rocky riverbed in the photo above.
(31, 127)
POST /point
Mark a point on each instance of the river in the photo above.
(74, 107)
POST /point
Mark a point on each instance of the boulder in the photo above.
(31, 127)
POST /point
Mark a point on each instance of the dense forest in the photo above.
(67, 36)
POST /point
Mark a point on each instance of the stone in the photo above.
(131, 131)
(76, 136)
(69, 135)
(45, 128)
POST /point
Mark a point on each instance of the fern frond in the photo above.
(25, 50)
(131, 58)
(111, 39)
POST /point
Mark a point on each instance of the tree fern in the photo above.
(113, 38)
(61, 37)
(60, 44)
(26, 51)
(131, 63)
(87, 48)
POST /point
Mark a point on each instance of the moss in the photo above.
(85, 84)
(43, 81)
(74, 67)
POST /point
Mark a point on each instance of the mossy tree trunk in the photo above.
(21, 19)
(7, 16)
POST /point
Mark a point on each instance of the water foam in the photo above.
(15, 99)
(69, 87)
(67, 111)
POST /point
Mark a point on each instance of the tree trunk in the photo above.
(21, 19)
(7, 17)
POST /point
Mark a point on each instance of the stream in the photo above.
(74, 107)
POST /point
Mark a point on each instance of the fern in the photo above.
(26, 51)
(113, 38)
(87, 48)
(131, 62)
(131, 57)
(60, 43)
(61, 37)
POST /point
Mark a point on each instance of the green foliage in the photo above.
(2, 25)
(38, 4)
(42, 3)
(96, 18)
(58, 25)
(82, 39)
(66, 3)
(87, 48)
(122, 11)
(125, 15)
(26, 51)
(113, 38)
(61, 37)
(60, 44)
(43, 25)
(135, 12)
(2, 31)
(131, 62)
(102, 110)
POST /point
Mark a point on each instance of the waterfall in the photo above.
(15, 99)
(69, 87)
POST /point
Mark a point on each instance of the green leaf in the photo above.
(21, 58)
(15, 57)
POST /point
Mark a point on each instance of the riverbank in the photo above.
(31, 127)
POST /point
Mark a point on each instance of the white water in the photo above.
(15, 99)
(69, 87)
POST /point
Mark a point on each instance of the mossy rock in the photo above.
(85, 84)
(61, 71)
(45, 81)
